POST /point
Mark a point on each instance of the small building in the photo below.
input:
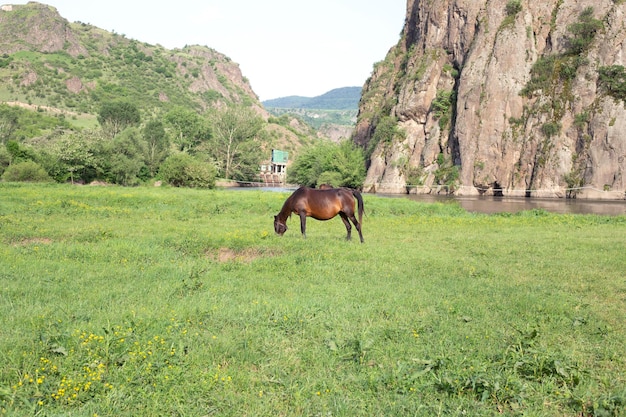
(275, 172)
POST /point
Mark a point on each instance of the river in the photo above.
(491, 205)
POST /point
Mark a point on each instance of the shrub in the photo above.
(513, 7)
(552, 70)
(541, 75)
(612, 79)
(183, 170)
(385, 131)
(550, 129)
(583, 31)
(27, 171)
(447, 173)
(443, 106)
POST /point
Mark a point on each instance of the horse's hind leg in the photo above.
(346, 222)
(357, 225)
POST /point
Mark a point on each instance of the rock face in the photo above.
(38, 25)
(501, 97)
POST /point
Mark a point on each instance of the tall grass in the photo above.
(159, 301)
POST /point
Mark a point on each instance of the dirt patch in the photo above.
(34, 241)
(35, 107)
(246, 255)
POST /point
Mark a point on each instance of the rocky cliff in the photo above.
(501, 97)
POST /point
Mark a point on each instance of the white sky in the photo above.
(283, 47)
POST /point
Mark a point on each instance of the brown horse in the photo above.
(321, 205)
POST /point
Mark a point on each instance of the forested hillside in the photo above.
(48, 61)
(78, 103)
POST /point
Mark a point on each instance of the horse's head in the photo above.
(279, 226)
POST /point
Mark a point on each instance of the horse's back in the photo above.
(321, 204)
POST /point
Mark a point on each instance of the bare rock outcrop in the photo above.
(506, 97)
(39, 26)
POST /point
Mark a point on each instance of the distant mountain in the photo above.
(346, 98)
(332, 114)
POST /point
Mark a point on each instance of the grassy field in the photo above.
(177, 302)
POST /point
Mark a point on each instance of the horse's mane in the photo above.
(286, 210)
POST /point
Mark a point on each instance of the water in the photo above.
(491, 205)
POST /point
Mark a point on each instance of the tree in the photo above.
(157, 144)
(234, 143)
(311, 163)
(75, 155)
(326, 162)
(8, 122)
(188, 129)
(126, 157)
(5, 159)
(19, 153)
(349, 162)
(116, 116)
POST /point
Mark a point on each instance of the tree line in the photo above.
(180, 147)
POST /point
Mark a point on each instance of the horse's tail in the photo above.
(359, 200)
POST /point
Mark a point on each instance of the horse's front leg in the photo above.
(303, 223)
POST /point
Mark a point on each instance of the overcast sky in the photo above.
(283, 47)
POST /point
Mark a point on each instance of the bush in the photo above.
(27, 171)
(443, 107)
(384, 132)
(447, 173)
(550, 129)
(612, 80)
(183, 170)
(513, 7)
(583, 31)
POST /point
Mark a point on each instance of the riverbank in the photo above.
(491, 204)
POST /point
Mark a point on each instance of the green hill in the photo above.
(58, 77)
(333, 113)
(47, 61)
(346, 98)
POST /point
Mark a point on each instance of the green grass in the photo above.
(160, 301)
